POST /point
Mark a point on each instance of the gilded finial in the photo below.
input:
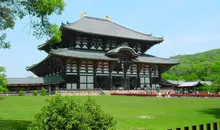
(83, 13)
(108, 18)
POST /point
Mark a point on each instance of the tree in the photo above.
(203, 66)
(67, 113)
(21, 93)
(39, 12)
(3, 81)
(216, 85)
(35, 92)
(43, 91)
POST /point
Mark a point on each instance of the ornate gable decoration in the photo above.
(123, 53)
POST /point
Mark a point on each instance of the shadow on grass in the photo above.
(213, 111)
(14, 124)
(1, 98)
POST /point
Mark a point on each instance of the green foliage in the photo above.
(21, 93)
(35, 92)
(216, 85)
(65, 113)
(131, 113)
(56, 34)
(3, 44)
(39, 12)
(3, 82)
(43, 91)
(200, 66)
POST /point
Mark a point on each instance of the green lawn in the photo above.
(130, 112)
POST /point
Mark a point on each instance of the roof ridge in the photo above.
(95, 18)
(130, 29)
(117, 24)
(89, 17)
(148, 55)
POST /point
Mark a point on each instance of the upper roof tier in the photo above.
(105, 27)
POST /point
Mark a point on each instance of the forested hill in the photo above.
(199, 66)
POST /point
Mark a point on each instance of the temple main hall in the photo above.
(96, 53)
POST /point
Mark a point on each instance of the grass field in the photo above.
(130, 112)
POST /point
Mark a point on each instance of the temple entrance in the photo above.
(117, 83)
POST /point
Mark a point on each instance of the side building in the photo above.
(96, 53)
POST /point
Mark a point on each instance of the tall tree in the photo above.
(39, 12)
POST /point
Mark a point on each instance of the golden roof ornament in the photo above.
(83, 13)
(108, 18)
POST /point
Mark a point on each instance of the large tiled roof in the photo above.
(105, 27)
(95, 55)
(101, 56)
(37, 80)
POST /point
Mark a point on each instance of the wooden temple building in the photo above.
(96, 53)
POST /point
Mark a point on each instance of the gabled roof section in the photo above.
(105, 27)
(116, 51)
(191, 84)
(94, 55)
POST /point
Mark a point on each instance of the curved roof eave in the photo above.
(34, 65)
(158, 40)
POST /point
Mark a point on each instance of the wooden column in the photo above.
(159, 71)
(150, 71)
(95, 65)
(139, 67)
(64, 64)
(111, 67)
(78, 74)
(126, 65)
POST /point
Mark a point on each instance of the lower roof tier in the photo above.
(94, 55)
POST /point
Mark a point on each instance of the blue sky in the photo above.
(188, 26)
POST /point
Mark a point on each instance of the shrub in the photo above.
(43, 92)
(21, 93)
(35, 92)
(65, 113)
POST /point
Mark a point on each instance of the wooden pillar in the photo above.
(201, 127)
(110, 80)
(159, 71)
(139, 68)
(194, 127)
(126, 65)
(215, 126)
(78, 75)
(208, 126)
(111, 67)
(64, 64)
(17, 88)
(124, 72)
(150, 72)
(125, 81)
(95, 65)
(186, 128)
